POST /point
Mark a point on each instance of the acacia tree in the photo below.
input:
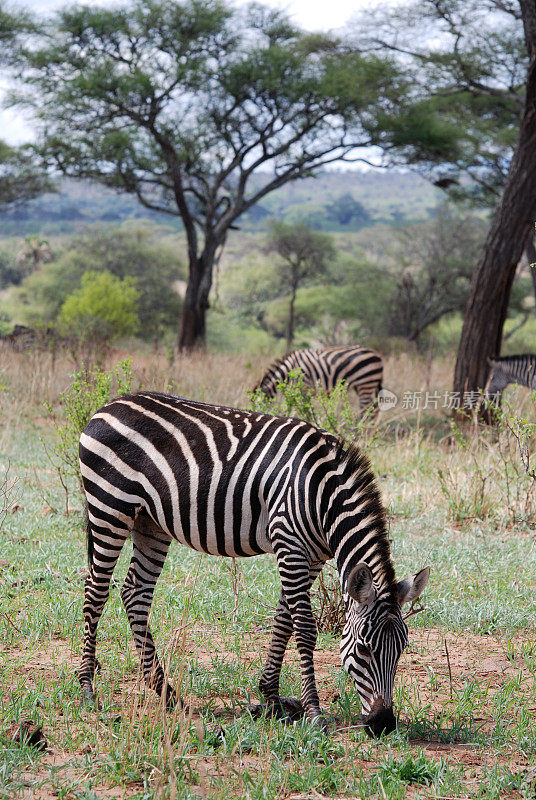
(200, 110)
(475, 80)
(303, 254)
(20, 177)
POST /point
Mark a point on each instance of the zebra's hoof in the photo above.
(319, 721)
(89, 699)
(284, 709)
(292, 706)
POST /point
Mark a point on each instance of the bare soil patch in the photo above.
(437, 665)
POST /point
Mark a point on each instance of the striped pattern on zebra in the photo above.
(360, 367)
(511, 369)
(239, 483)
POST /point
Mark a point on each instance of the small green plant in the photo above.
(88, 392)
(413, 769)
(331, 411)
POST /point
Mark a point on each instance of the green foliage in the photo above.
(133, 252)
(22, 177)
(89, 391)
(253, 83)
(102, 310)
(346, 210)
(10, 274)
(414, 769)
(468, 69)
(304, 254)
(330, 411)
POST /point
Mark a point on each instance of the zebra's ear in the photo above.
(410, 589)
(359, 584)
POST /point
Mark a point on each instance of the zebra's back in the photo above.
(354, 365)
(360, 367)
(207, 475)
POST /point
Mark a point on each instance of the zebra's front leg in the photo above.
(297, 576)
(285, 708)
(148, 556)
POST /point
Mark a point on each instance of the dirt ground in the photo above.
(437, 665)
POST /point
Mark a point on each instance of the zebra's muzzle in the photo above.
(380, 720)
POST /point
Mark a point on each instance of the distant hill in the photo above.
(333, 201)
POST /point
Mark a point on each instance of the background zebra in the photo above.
(239, 483)
(511, 369)
(360, 367)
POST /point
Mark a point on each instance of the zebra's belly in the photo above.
(220, 533)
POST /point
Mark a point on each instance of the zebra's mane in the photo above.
(356, 465)
(277, 363)
(273, 366)
(521, 357)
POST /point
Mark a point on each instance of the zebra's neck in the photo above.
(521, 370)
(277, 372)
(354, 522)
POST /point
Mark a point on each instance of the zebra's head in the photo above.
(373, 639)
(267, 385)
(499, 379)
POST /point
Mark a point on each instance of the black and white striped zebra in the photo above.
(511, 369)
(360, 368)
(238, 483)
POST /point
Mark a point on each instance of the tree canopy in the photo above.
(469, 64)
(20, 177)
(183, 103)
(303, 254)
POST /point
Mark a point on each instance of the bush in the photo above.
(129, 251)
(89, 391)
(100, 312)
(331, 411)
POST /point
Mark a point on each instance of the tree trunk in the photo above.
(290, 322)
(530, 252)
(192, 330)
(492, 279)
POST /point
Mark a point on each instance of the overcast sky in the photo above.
(316, 15)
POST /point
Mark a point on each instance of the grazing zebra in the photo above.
(511, 369)
(239, 483)
(361, 368)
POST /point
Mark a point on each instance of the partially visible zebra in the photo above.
(511, 369)
(240, 483)
(360, 367)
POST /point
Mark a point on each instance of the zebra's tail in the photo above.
(89, 538)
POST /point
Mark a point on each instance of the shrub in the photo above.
(331, 411)
(100, 312)
(89, 391)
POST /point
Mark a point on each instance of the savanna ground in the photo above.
(465, 688)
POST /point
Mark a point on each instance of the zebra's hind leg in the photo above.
(150, 547)
(107, 544)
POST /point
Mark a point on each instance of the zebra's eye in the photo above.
(364, 651)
